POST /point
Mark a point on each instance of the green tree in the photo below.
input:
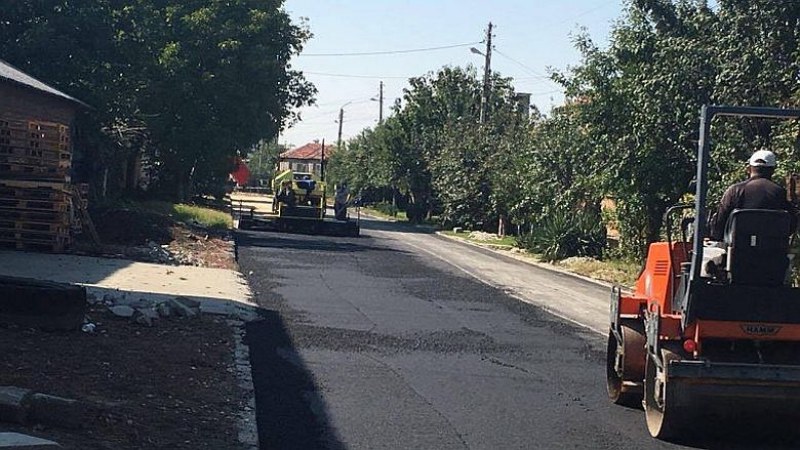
(262, 160)
(224, 83)
(193, 82)
(639, 102)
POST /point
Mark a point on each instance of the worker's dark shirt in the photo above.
(754, 193)
(287, 197)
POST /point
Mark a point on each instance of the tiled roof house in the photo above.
(306, 158)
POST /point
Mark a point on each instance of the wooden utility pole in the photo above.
(322, 163)
(380, 103)
(487, 75)
(341, 119)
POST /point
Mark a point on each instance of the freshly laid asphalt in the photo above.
(392, 340)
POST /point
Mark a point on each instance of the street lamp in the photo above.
(486, 73)
(379, 99)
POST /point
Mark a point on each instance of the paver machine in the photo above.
(693, 338)
(297, 202)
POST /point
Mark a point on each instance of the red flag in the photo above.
(240, 172)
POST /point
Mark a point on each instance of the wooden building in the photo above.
(38, 203)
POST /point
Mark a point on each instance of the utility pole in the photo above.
(322, 163)
(487, 74)
(341, 119)
(380, 103)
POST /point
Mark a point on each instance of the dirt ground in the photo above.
(169, 386)
(152, 237)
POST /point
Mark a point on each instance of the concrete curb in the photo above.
(247, 432)
(19, 441)
(544, 266)
(24, 406)
(247, 425)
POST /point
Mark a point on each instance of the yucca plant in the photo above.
(563, 234)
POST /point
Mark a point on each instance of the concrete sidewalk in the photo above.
(219, 291)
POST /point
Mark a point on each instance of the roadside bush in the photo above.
(385, 208)
(564, 234)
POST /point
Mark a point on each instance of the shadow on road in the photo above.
(740, 430)
(398, 227)
(269, 239)
(291, 412)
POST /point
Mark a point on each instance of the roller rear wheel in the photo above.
(625, 367)
(664, 406)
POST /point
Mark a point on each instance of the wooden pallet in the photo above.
(22, 121)
(13, 124)
(12, 141)
(33, 205)
(33, 160)
(51, 146)
(64, 164)
(33, 184)
(30, 169)
(32, 193)
(48, 127)
(52, 133)
(34, 144)
(49, 135)
(13, 244)
(49, 142)
(39, 228)
(35, 177)
(35, 216)
(33, 236)
(14, 133)
(40, 153)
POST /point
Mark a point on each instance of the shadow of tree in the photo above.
(291, 411)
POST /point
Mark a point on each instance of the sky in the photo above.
(530, 38)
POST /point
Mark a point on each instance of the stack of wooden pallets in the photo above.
(35, 190)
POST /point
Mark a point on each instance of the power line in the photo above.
(584, 13)
(326, 112)
(530, 70)
(556, 91)
(344, 100)
(532, 77)
(350, 75)
(393, 52)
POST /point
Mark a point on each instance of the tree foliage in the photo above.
(639, 99)
(193, 82)
(628, 131)
(432, 153)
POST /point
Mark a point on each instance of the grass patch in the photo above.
(616, 271)
(384, 211)
(207, 217)
(484, 238)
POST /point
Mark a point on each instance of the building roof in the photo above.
(312, 150)
(11, 73)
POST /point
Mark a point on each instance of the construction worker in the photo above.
(286, 194)
(757, 192)
(340, 201)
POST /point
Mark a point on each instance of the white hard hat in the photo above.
(763, 158)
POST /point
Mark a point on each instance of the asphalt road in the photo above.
(401, 339)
